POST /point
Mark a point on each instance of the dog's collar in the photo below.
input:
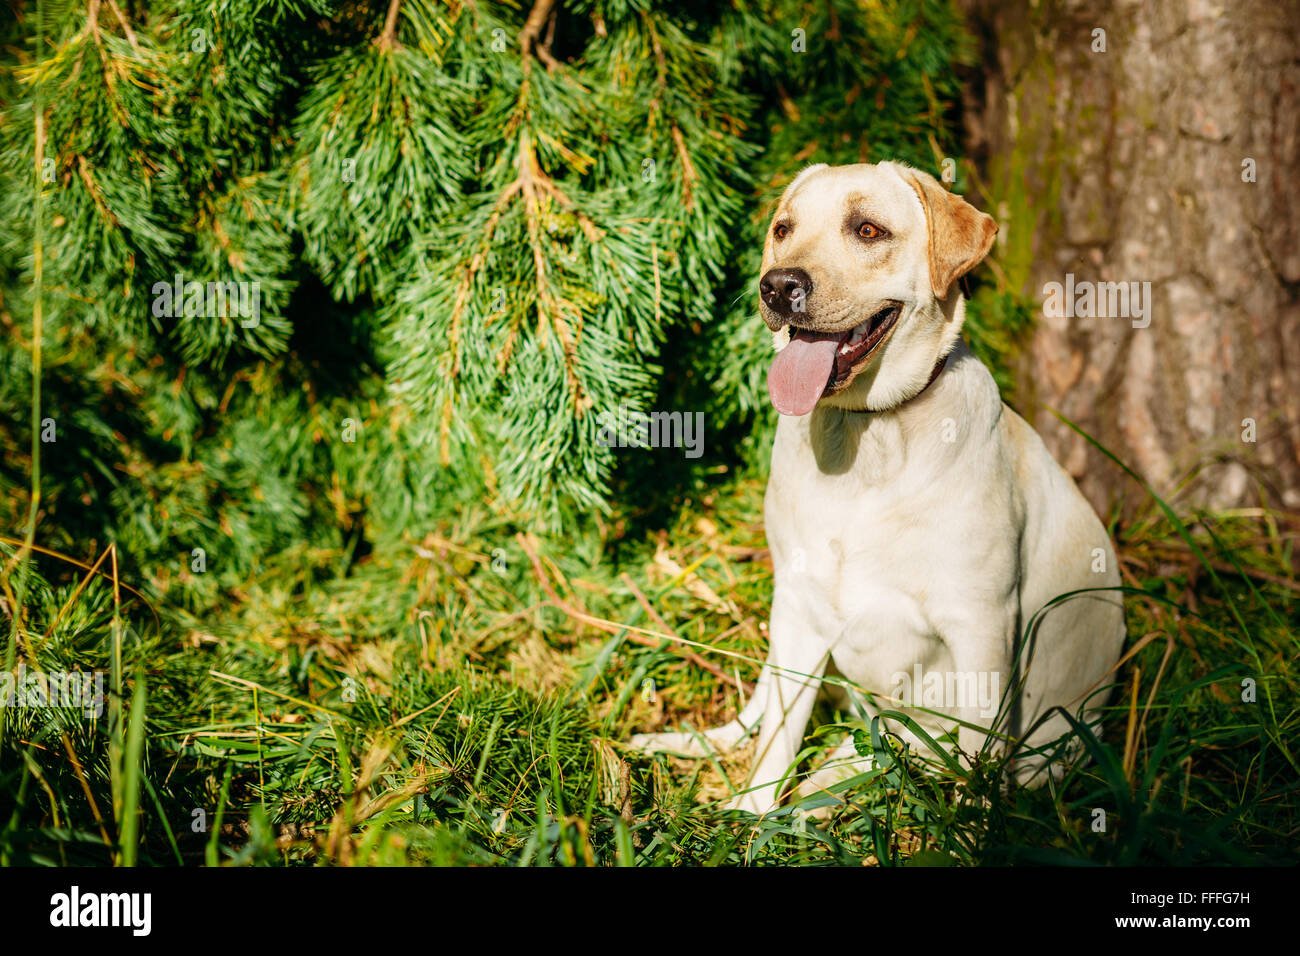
(938, 367)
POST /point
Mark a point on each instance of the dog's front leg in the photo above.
(797, 661)
(983, 665)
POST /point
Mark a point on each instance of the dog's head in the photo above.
(859, 284)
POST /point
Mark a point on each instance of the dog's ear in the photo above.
(960, 235)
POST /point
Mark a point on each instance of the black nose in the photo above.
(785, 290)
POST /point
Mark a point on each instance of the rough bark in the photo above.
(1127, 166)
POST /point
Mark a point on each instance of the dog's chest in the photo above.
(845, 553)
(874, 558)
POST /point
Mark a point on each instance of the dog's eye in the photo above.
(869, 230)
(781, 231)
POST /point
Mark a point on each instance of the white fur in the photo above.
(928, 534)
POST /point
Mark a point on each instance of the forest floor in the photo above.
(465, 699)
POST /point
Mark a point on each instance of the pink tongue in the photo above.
(799, 373)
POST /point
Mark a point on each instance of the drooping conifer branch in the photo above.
(388, 38)
(528, 37)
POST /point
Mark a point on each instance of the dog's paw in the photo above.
(682, 745)
(695, 743)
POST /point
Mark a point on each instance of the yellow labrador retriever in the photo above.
(918, 526)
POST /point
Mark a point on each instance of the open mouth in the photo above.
(817, 364)
(858, 343)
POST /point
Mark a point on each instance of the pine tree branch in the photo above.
(528, 36)
(654, 258)
(387, 39)
(92, 20)
(20, 559)
(532, 178)
(83, 170)
(661, 61)
(472, 269)
(109, 63)
(92, 25)
(126, 27)
(530, 182)
(689, 175)
(550, 29)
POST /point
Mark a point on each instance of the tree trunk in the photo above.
(1136, 165)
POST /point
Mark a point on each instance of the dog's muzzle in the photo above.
(816, 364)
(785, 292)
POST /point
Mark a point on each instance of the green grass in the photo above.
(463, 699)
